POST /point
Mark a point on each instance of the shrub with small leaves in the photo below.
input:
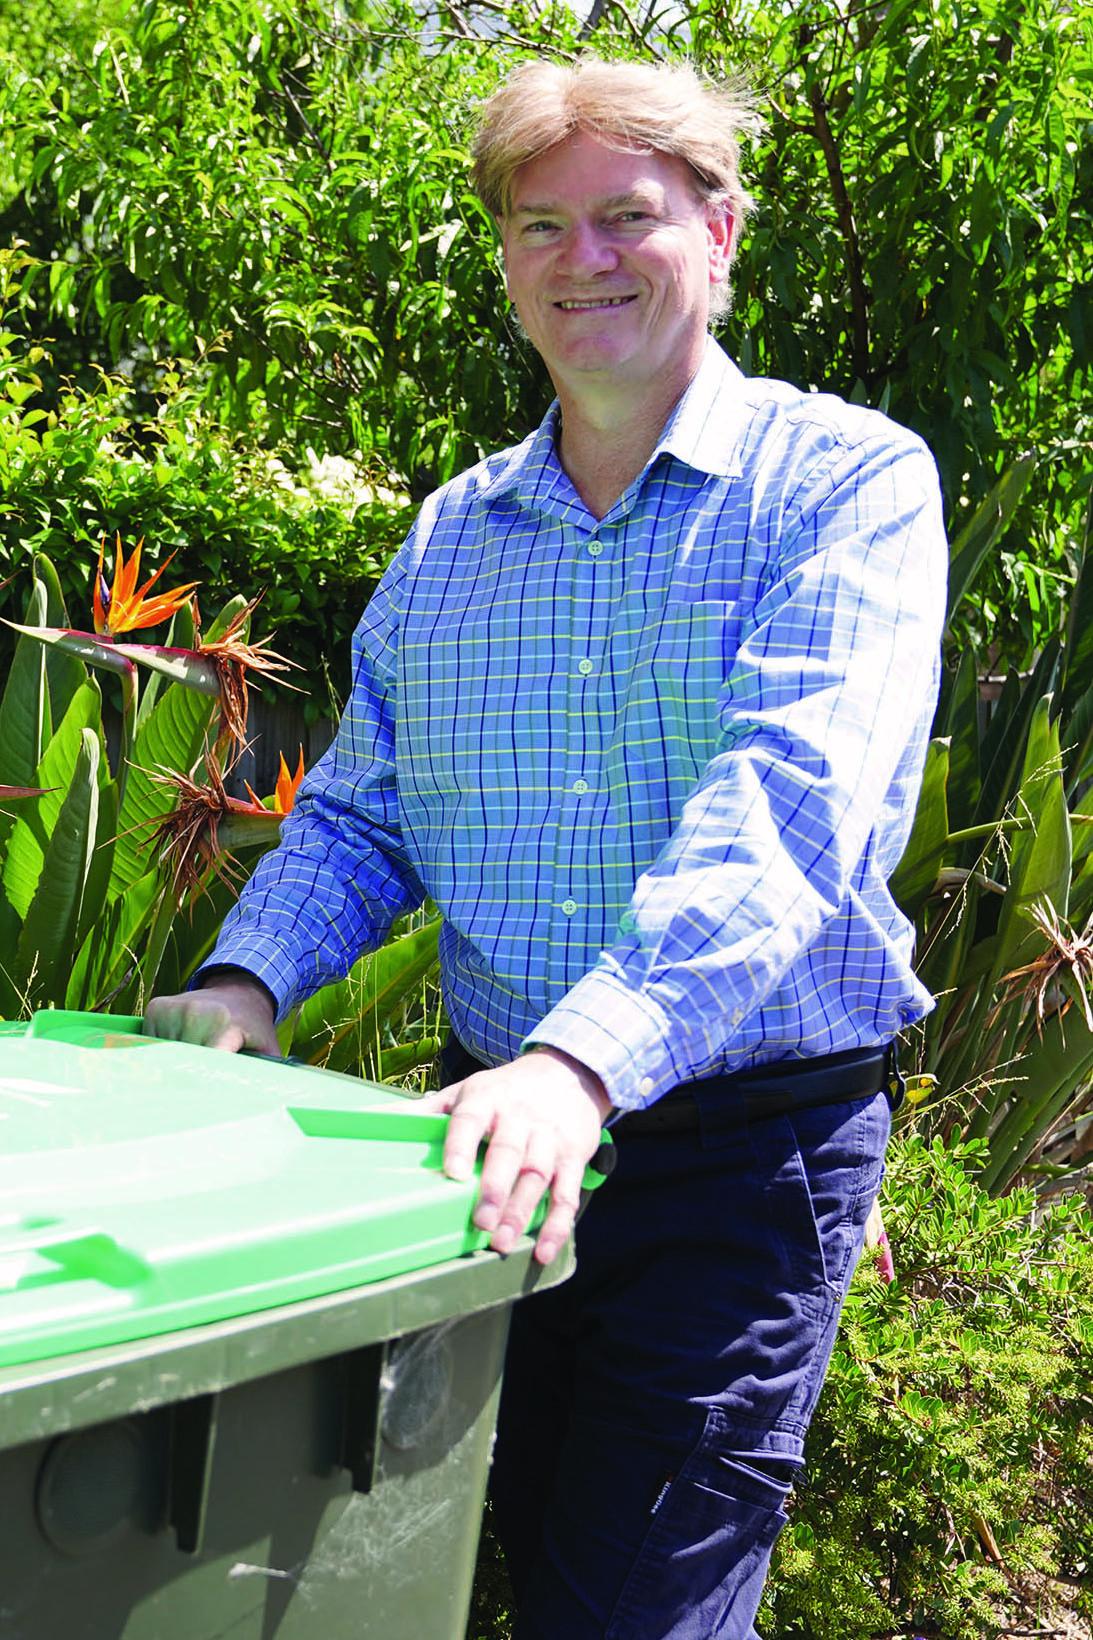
(950, 1462)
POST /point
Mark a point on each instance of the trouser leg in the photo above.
(654, 1407)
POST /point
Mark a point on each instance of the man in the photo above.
(642, 704)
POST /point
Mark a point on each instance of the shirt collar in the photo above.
(704, 431)
(706, 428)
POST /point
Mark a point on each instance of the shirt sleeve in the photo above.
(340, 874)
(830, 692)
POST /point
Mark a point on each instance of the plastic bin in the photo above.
(250, 1348)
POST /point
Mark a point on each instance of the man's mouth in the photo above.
(594, 302)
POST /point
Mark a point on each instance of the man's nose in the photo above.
(588, 250)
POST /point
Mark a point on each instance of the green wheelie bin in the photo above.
(251, 1347)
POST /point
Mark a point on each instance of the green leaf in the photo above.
(1078, 672)
(916, 875)
(990, 519)
(407, 1057)
(65, 672)
(961, 725)
(180, 635)
(343, 1025)
(49, 931)
(1040, 862)
(24, 709)
(1004, 747)
(98, 877)
(30, 836)
(113, 947)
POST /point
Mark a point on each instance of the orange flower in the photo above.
(124, 608)
(284, 795)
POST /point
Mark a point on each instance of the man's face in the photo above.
(609, 258)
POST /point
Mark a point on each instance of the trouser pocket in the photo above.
(701, 1568)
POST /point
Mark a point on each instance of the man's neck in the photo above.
(607, 439)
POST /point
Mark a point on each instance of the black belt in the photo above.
(768, 1090)
(760, 1091)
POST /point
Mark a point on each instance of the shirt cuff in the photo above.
(212, 971)
(267, 967)
(618, 1033)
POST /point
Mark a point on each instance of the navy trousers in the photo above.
(654, 1407)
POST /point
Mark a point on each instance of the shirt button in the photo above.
(645, 1086)
(584, 668)
(580, 787)
(595, 548)
(569, 907)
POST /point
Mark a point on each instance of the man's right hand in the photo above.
(229, 1013)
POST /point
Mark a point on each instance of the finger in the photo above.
(161, 1019)
(505, 1156)
(565, 1199)
(527, 1191)
(469, 1124)
(439, 1104)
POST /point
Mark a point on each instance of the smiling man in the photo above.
(643, 705)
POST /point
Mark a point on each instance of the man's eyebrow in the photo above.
(613, 202)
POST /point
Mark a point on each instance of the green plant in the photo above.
(90, 465)
(950, 1461)
(115, 878)
(384, 1020)
(85, 913)
(998, 875)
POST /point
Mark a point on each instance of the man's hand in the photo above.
(230, 1013)
(542, 1115)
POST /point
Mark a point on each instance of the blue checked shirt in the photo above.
(655, 769)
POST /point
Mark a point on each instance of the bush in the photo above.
(314, 535)
(951, 1456)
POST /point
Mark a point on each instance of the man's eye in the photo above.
(539, 227)
(633, 216)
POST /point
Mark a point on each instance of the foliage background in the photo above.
(276, 193)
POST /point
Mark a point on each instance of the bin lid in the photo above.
(148, 1185)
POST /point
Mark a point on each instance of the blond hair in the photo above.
(635, 107)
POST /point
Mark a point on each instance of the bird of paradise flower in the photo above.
(197, 836)
(217, 667)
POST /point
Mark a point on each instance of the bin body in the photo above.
(312, 1466)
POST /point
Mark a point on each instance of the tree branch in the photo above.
(859, 296)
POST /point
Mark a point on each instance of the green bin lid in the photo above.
(149, 1185)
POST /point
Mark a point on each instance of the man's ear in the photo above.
(719, 228)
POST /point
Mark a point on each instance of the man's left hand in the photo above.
(542, 1115)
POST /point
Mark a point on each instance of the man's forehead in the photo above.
(596, 173)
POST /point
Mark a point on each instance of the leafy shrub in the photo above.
(314, 536)
(951, 1456)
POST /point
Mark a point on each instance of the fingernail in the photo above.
(459, 1168)
(504, 1240)
(486, 1216)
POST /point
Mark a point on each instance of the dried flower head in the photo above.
(1060, 975)
(196, 835)
(233, 657)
